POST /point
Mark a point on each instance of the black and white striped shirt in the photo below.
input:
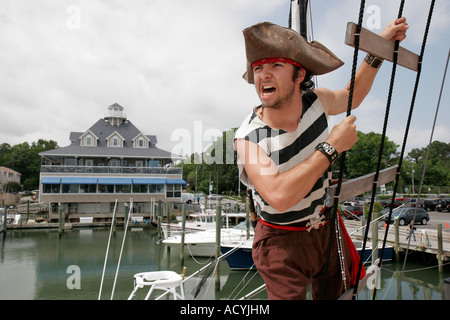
(287, 149)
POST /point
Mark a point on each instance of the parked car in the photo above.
(406, 214)
(214, 197)
(387, 203)
(443, 204)
(414, 202)
(430, 204)
(187, 197)
(351, 211)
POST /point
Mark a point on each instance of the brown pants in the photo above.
(289, 261)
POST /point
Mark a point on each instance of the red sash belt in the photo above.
(350, 245)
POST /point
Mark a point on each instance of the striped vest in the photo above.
(287, 149)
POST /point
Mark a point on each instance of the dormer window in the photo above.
(140, 141)
(115, 140)
(88, 139)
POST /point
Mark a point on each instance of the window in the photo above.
(141, 143)
(173, 191)
(105, 188)
(51, 188)
(70, 188)
(156, 188)
(140, 188)
(71, 161)
(123, 188)
(88, 188)
(115, 140)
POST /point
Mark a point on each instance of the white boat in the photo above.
(194, 223)
(202, 243)
(206, 220)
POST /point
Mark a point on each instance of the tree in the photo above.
(438, 165)
(362, 158)
(216, 166)
(24, 158)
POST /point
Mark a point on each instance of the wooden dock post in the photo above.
(374, 238)
(218, 225)
(28, 212)
(158, 221)
(5, 215)
(397, 240)
(183, 229)
(440, 247)
(61, 221)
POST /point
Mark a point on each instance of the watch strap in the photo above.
(328, 151)
(373, 61)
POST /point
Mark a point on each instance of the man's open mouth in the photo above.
(268, 90)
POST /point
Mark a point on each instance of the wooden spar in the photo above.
(354, 187)
(380, 47)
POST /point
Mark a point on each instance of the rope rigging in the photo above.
(395, 57)
(343, 156)
(427, 155)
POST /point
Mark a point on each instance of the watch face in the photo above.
(328, 149)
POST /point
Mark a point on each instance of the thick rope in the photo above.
(342, 160)
(380, 152)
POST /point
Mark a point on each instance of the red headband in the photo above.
(271, 60)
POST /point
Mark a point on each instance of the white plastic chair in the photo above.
(167, 281)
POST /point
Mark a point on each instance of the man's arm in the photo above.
(336, 101)
(284, 190)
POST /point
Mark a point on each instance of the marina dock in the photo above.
(427, 240)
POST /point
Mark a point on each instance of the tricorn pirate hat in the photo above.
(268, 40)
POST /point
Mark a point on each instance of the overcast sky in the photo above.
(176, 66)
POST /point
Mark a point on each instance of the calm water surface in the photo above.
(39, 265)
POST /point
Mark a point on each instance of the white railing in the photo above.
(110, 169)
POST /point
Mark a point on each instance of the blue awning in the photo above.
(176, 181)
(114, 180)
(149, 181)
(51, 180)
(78, 180)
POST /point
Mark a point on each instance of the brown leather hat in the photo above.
(268, 40)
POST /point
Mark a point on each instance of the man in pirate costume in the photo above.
(284, 153)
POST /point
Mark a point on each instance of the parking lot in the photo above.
(436, 218)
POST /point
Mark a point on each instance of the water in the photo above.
(41, 265)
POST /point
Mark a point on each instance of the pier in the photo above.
(427, 240)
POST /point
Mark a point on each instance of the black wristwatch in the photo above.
(373, 61)
(328, 151)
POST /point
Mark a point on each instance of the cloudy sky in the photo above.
(176, 66)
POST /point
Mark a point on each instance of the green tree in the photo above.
(216, 166)
(24, 158)
(438, 165)
(362, 158)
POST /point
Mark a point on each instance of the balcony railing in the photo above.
(110, 169)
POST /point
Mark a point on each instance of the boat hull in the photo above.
(242, 258)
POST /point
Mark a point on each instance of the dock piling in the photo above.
(218, 225)
(440, 247)
(183, 228)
